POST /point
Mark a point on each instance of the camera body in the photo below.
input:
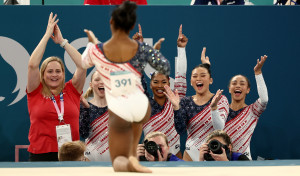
(151, 147)
(216, 147)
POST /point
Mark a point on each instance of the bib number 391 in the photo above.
(122, 82)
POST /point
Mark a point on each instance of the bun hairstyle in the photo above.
(207, 66)
(157, 72)
(124, 16)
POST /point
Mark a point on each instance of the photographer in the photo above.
(218, 147)
(155, 148)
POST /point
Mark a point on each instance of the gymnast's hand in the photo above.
(204, 59)
(182, 40)
(91, 36)
(215, 100)
(173, 97)
(138, 35)
(259, 65)
(157, 45)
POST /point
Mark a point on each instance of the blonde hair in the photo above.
(46, 91)
(89, 92)
(155, 134)
(71, 151)
(219, 133)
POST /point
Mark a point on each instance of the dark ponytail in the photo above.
(124, 16)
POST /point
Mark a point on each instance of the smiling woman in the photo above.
(52, 75)
(93, 120)
(199, 114)
(46, 92)
(162, 113)
(242, 119)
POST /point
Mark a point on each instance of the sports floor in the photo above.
(235, 168)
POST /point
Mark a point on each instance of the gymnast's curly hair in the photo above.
(124, 16)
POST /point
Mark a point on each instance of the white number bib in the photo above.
(122, 82)
(63, 133)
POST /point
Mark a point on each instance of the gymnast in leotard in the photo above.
(120, 61)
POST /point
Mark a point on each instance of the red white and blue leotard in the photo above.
(199, 121)
(93, 126)
(162, 117)
(131, 106)
(241, 124)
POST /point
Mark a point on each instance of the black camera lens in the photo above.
(215, 146)
(151, 147)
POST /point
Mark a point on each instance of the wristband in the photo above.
(64, 43)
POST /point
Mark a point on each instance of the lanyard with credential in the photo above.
(62, 108)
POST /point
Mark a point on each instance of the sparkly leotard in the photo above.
(132, 105)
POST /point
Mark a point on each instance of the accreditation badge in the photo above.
(63, 133)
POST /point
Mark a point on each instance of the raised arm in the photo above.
(261, 85)
(180, 116)
(181, 64)
(182, 40)
(138, 35)
(79, 76)
(204, 58)
(156, 60)
(157, 45)
(86, 58)
(219, 110)
(37, 55)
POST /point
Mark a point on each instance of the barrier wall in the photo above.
(234, 36)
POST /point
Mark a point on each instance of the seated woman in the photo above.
(221, 139)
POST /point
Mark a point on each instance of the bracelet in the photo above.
(64, 43)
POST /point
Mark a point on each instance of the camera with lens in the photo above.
(216, 147)
(151, 147)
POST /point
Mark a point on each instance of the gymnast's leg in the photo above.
(123, 139)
